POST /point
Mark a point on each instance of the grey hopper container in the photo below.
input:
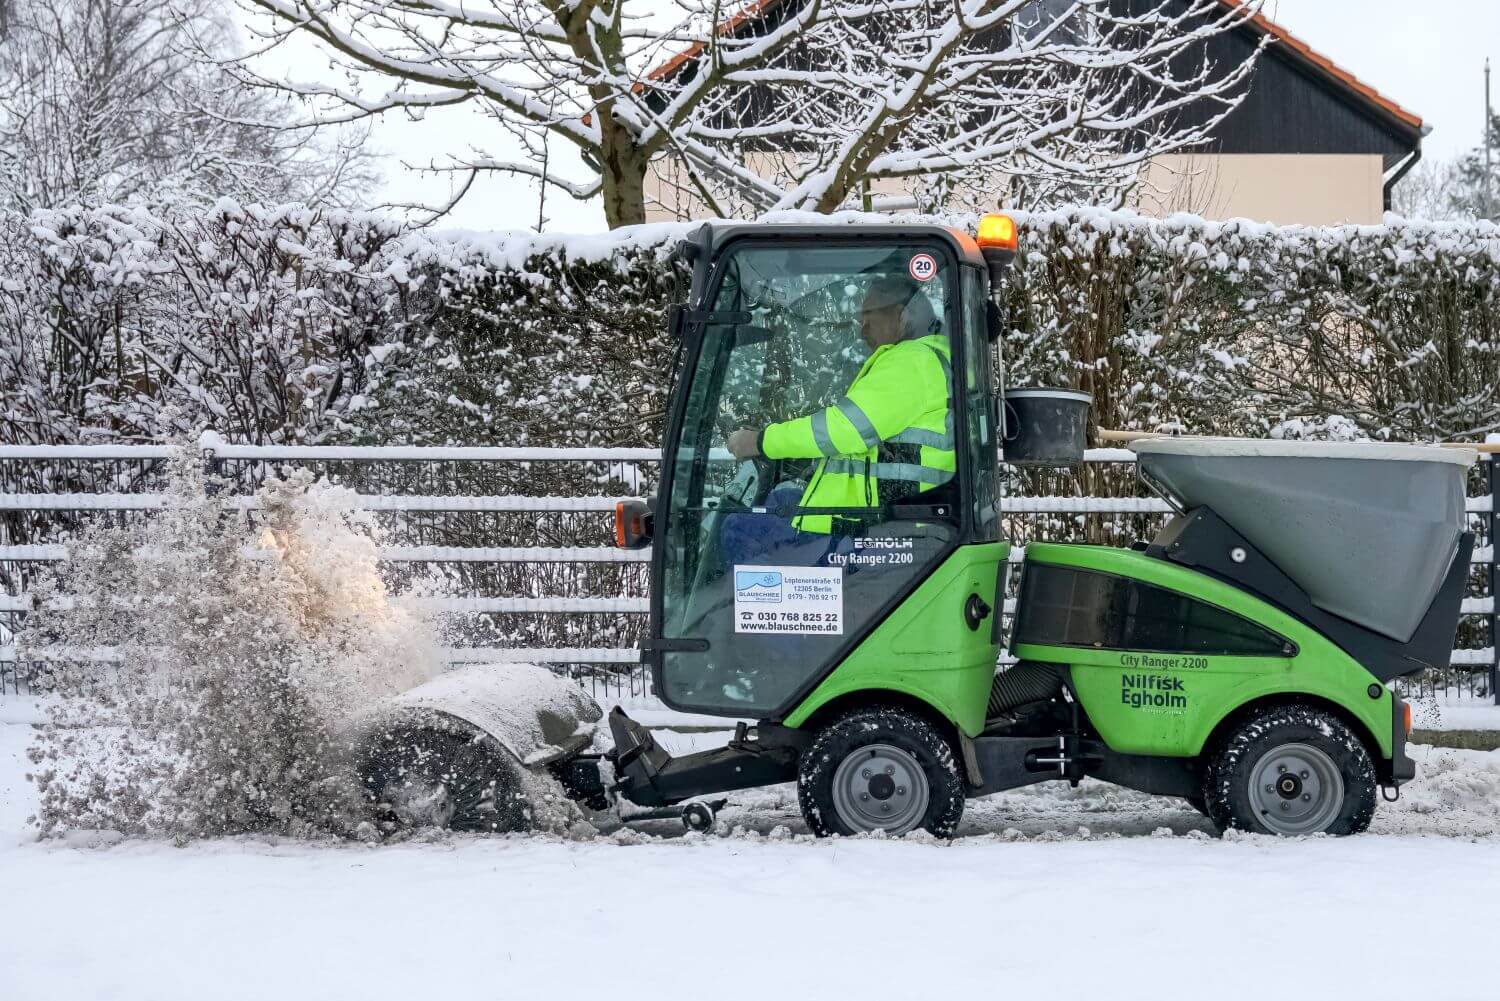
(1368, 530)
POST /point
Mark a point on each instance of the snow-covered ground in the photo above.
(1456, 714)
(1049, 893)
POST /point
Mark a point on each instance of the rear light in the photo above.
(621, 517)
(1406, 716)
(632, 524)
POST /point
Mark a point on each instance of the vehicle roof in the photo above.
(962, 243)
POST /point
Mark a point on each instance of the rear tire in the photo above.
(880, 769)
(427, 776)
(1291, 770)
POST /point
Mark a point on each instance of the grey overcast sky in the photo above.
(1427, 55)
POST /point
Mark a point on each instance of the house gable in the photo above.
(1300, 102)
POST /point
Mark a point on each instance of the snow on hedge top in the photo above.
(125, 238)
(1406, 243)
(1416, 243)
(510, 250)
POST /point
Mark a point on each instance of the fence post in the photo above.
(1493, 473)
(213, 470)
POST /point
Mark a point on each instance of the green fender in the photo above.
(1168, 703)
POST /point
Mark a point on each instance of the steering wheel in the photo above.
(753, 478)
(752, 484)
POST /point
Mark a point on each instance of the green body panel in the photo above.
(1168, 703)
(925, 649)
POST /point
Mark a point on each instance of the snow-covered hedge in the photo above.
(284, 325)
(1236, 327)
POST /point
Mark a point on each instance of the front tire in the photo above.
(425, 776)
(1291, 770)
(880, 769)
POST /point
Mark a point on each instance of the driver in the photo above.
(890, 436)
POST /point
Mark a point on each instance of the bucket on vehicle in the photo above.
(1045, 427)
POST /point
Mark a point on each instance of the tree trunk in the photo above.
(833, 198)
(624, 188)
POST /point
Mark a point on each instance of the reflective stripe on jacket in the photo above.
(899, 398)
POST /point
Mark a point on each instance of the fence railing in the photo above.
(522, 539)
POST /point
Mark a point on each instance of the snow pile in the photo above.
(1456, 793)
(200, 686)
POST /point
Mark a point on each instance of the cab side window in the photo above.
(979, 401)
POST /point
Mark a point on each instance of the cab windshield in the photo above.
(802, 346)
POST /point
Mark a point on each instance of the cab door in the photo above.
(748, 612)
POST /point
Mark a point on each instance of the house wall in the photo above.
(1304, 145)
(1291, 108)
(1282, 188)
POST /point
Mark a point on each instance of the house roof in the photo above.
(1329, 70)
(1291, 44)
(732, 24)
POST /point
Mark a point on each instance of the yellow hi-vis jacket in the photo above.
(897, 408)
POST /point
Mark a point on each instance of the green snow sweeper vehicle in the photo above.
(829, 560)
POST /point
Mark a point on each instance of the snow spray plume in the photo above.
(202, 663)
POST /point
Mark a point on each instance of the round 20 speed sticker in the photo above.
(922, 267)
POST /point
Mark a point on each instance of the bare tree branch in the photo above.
(790, 103)
(109, 100)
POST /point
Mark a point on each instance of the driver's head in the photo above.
(892, 310)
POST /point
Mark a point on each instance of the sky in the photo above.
(1428, 56)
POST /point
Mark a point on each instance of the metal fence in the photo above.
(521, 540)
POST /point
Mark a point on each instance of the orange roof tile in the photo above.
(729, 27)
(1328, 67)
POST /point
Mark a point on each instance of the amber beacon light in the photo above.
(997, 232)
(998, 241)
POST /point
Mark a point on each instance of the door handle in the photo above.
(976, 610)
